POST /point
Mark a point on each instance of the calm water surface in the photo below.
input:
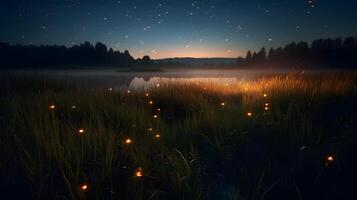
(145, 80)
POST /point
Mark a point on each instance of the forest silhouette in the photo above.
(322, 53)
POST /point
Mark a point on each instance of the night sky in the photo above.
(211, 28)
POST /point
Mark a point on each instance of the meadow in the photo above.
(287, 136)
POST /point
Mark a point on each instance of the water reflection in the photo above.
(142, 84)
(120, 81)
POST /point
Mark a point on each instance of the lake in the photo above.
(113, 80)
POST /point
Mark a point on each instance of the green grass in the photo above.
(205, 150)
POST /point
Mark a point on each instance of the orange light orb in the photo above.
(128, 141)
(128, 91)
(157, 84)
(156, 116)
(157, 135)
(265, 95)
(249, 114)
(151, 102)
(147, 94)
(266, 108)
(223, 104)
(138, 173)
(84, 187)
(52, 106)
(266, 104)
(330, 158)
(81, 130)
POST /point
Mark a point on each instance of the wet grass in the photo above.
(193, 141)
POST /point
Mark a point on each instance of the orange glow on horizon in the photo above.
(192, 52)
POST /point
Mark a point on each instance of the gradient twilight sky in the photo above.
(207, 28)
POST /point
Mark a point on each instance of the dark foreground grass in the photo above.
(283, 137)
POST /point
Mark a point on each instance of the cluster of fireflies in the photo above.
(138, 172)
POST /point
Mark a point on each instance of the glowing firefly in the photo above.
(156, 116)
(138, 172)
(329, 159)
(84, 187)
(52, 106)
(151, 102)
(157, 136)
(249, 114)
(265, 95)
(223, 104)
(128, 141)
(81, 130)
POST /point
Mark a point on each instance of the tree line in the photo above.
(32, 56)
(322, 53)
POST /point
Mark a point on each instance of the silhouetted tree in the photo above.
(323, 53)
(101, 52)
(261, 57)
(248, 58)
(13, 56)
(146, 61)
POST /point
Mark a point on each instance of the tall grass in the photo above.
(196, 148)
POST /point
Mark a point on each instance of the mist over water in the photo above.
(145, 80)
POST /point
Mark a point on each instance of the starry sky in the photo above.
(182, 28)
